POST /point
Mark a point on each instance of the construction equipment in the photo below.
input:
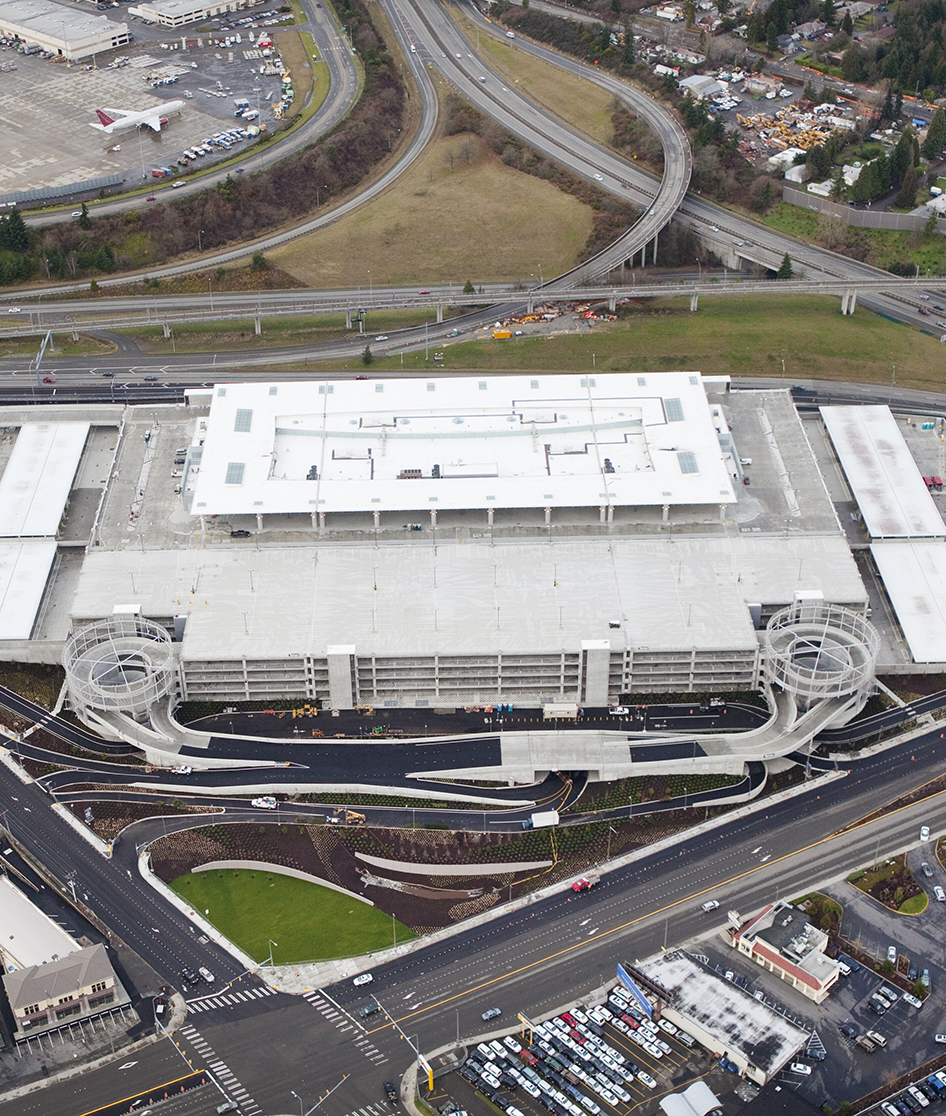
(344, 816)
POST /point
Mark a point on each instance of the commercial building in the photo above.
(724, 1018)
(44, 997)
(73, 33)
(178, 13)
(782, 941)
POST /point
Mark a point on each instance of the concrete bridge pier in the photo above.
(348, 319)
(257, 325)
(439, 311)
(848, 302)
(654, 259)
(167, 331)
(530, 306)
(694, 303)
(612, 302)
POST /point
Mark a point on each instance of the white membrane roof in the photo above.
(468, 598)
(36, 482)
(501, 442)
(24, 571)
(27, 936)
(914, 574)
(883, 476)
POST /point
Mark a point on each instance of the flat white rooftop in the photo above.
(24, 571)
(27, 936)
(501, 442)
(914, 574)
(883, 476)
(65, 23)
(737, 1020)
(38, 477)
(468, 598)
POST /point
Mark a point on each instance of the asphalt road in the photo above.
(532, 959)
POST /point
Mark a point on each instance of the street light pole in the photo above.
(299, 1099)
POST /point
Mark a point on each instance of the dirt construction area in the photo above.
(46, 108)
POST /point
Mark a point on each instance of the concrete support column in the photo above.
(666, 514)
(722, 512)
(852, 302)
(530, 306)
(321, 520)
(610, 513)
(167, 331)
(439, 311)
(489, 516)
(596, 664)
(377, 519)
(548, 516)
(348, 319)
(694, 303)
(341, 675)
(602, 514)
(612, 302)
(257, 327)
(259, 521)
(315, 520)
(654, 260)
(203, 525)
(433, 517)
(644, 256)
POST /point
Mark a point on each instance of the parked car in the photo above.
(926, 870)
(940, 894)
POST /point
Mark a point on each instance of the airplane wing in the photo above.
(153, 122)
(116, 112)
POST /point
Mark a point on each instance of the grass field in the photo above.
(458, 213)
(309, 923)
(739, 336)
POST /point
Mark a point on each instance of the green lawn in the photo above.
(915, 905)
(309, 923)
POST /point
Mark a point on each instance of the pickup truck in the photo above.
(267, 803)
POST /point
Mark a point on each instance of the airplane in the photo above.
(115, 120)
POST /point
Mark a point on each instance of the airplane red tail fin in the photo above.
(104, 117)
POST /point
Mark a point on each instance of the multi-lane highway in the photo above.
(531, 959)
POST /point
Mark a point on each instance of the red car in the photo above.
(566, 1017)
(49, 379)
(151, 197)
(423, 292)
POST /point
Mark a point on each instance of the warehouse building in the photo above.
(179, 13)
(73, 33)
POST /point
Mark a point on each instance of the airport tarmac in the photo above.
(46, 107)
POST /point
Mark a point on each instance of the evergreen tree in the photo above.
(808, 93)
(785, 270)
(827, 12)
(898, 107)
(771, 37)
(847, 24)
(935, 135)
(84, 221)
(837, 184)
(367, 355)
(886, 113)
(14, 234)
(906, 199)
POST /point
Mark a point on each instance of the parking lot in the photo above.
(46, 106)
(581, 1063)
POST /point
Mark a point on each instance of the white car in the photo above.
(361, 979)
(666, 1025)
(267, 803)
(800, 1067)
(646, 1079)
(940, 894)
(710, 905)
(924, 833)
(892, 954)
(381, 337)
(599, 178)
(14, 310)
(618, 711)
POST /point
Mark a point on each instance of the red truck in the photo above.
(585, 883)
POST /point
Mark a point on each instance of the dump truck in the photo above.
(344, 816)
(541, 820)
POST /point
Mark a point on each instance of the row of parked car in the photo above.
(570, 1066)
(917, 1097)
(223, 140)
